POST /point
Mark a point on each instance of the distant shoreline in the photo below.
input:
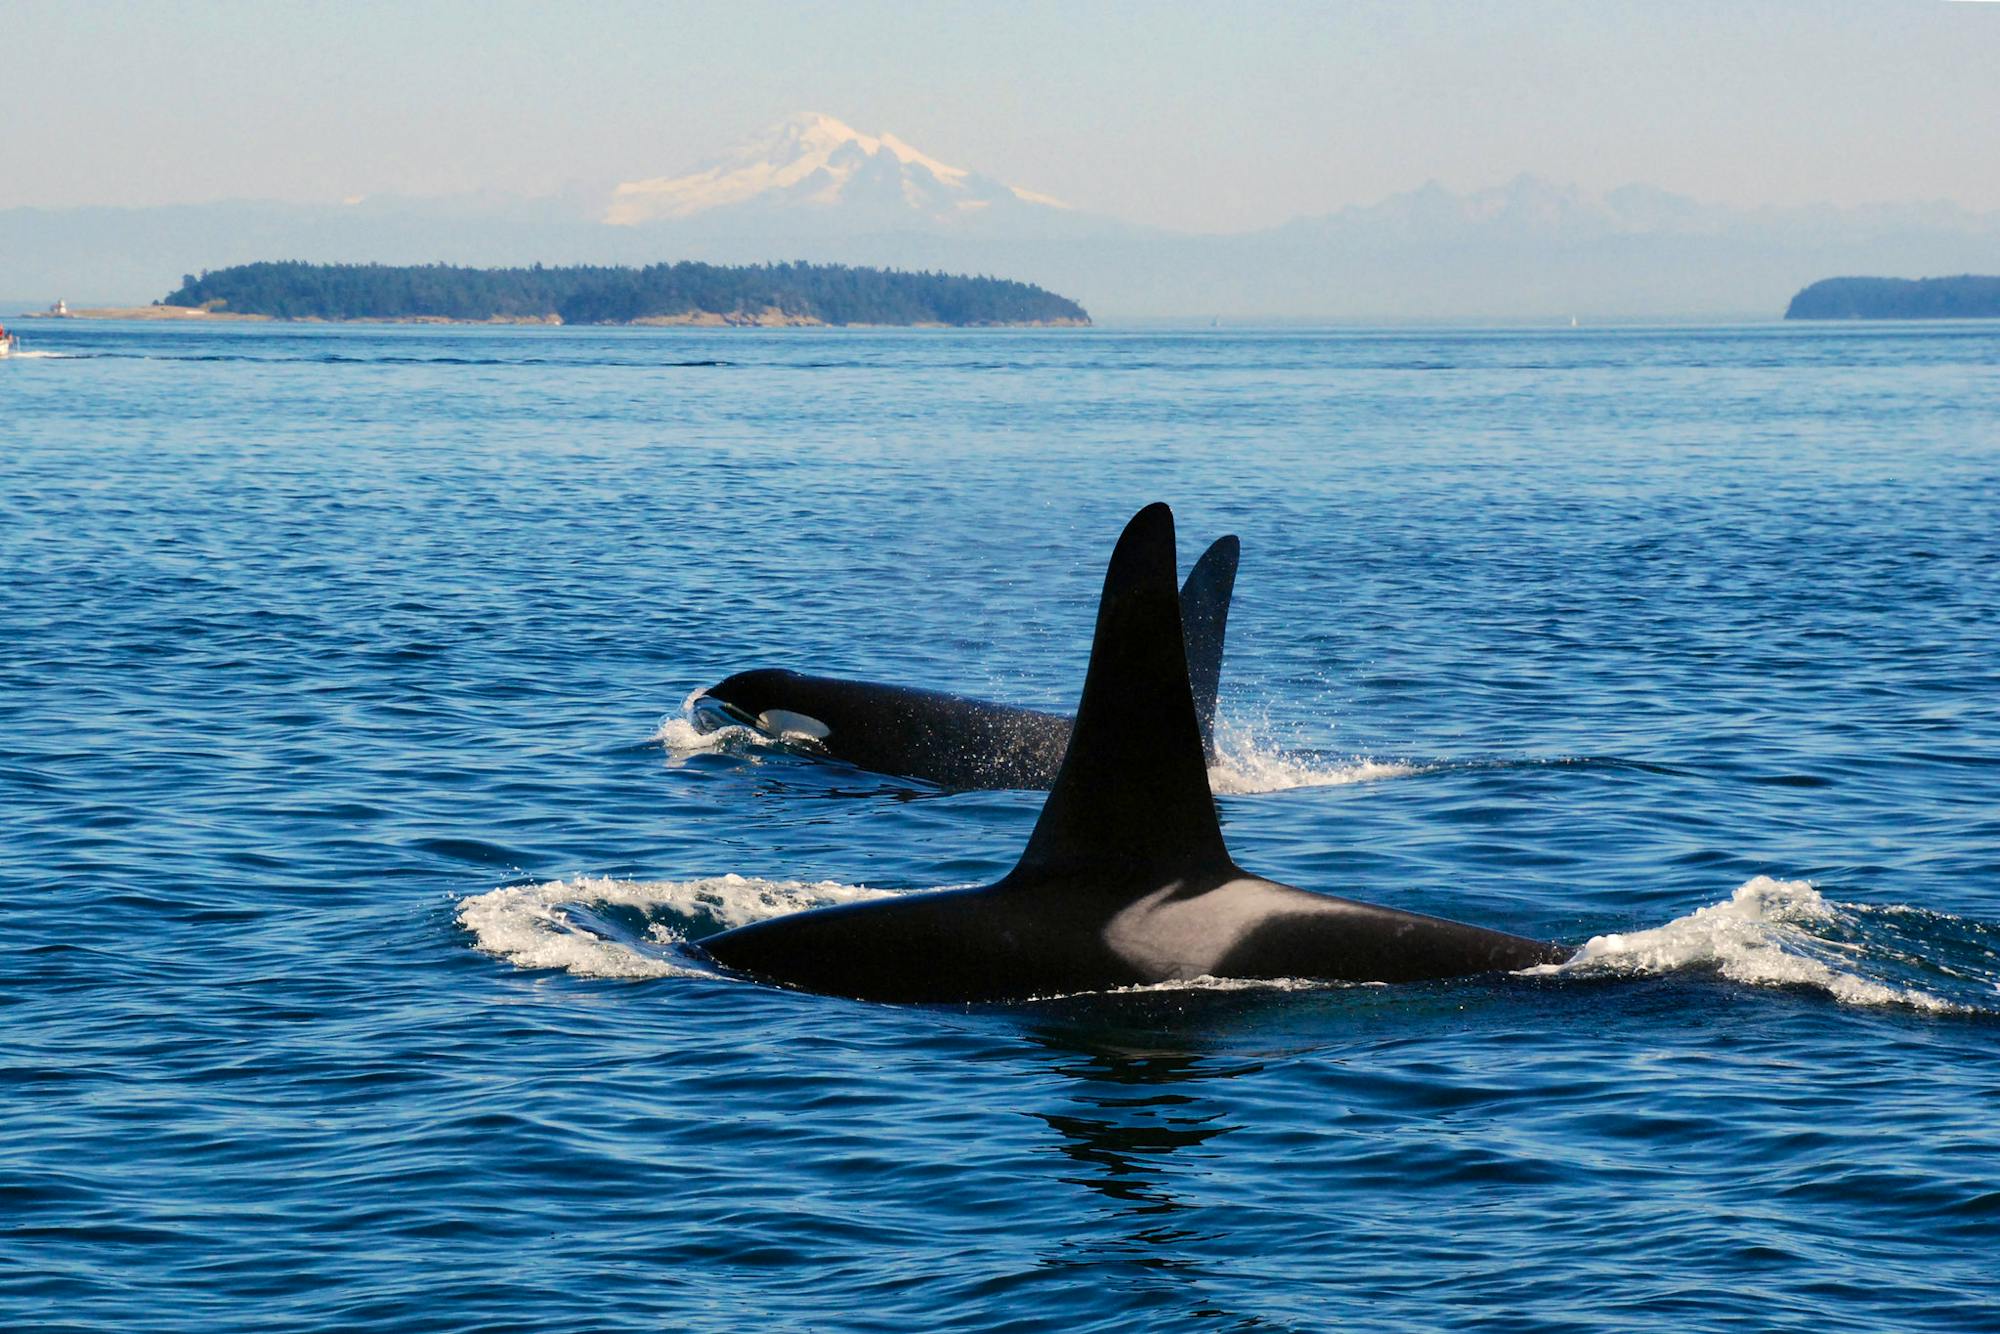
(686, 293)
(694, 320)
(138, 313)
(1968, 296)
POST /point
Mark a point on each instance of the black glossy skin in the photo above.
(1126, 880)
(945, 739)
(952, 740)
(1018, 941)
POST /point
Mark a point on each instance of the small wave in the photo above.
(595, 926)
(1769, 933)
(681, 738)
(1244, 764)
(38, 354)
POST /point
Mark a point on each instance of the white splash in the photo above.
(530, 925)
(1244, 764)
(681, 737)
(1209, 982)
(1760, 936)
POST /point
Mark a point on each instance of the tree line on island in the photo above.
(758, 293)
(1966, 297)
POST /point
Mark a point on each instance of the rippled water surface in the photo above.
(351, 830)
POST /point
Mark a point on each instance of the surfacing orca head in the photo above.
(765, 700)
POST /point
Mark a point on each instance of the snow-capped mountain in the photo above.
(812, 164)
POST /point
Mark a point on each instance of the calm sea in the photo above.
(350, 829)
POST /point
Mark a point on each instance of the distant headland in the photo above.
(659, 294)
(1967, 297)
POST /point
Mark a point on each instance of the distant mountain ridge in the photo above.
(814, 188)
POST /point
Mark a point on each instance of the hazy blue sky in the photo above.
(1200, 115)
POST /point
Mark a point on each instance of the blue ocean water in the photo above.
(350, 828)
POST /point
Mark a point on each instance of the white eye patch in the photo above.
(783, 722)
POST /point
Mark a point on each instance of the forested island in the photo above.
(1967, 297)
(684, 293)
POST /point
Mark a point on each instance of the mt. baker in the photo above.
(814, 164)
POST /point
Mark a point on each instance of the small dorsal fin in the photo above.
(1132, 797)
(1204, 622)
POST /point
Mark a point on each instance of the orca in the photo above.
(948, 739)
(1125, 880)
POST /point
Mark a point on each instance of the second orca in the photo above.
(952, 740)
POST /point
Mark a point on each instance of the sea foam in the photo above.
(1245, 763)
(558, 923)
(1769, 933)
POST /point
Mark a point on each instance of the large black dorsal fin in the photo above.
(1131, 800)
(1204, 622)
